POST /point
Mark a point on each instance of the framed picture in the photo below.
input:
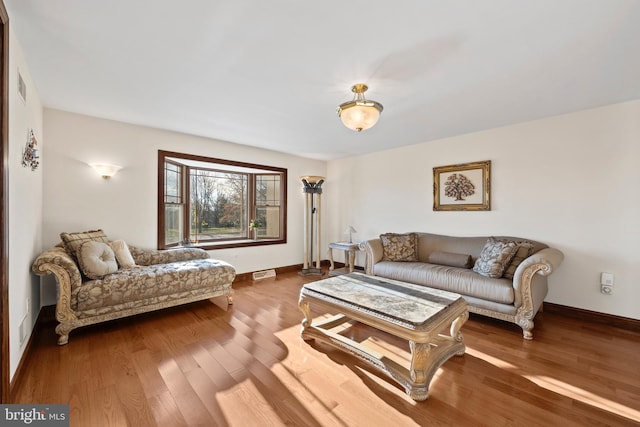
(463, 187)
(22, 88)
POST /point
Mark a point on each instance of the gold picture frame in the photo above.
(462, 187)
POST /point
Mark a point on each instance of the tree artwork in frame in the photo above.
(463, 187)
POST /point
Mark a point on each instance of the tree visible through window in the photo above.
(215, 203)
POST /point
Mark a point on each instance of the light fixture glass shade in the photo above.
(105, 170)
(360, 113)
(312, 179)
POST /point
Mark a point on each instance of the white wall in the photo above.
(25, 204)
(125, 207)
(570, 181)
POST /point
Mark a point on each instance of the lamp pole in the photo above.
(312, 188)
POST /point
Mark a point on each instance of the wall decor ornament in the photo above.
(30, 154)
(462, 187)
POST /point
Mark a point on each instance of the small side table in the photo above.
(349, 256)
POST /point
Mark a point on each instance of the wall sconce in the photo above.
(105, 170)
(30, 154)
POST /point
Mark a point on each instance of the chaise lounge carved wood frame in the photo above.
(59, 263)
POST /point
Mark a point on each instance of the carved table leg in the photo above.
(457, 324)
(352, 259)
(418, 370)
(306, 322)
(330, 254)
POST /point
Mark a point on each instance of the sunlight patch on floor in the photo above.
(583, 396)
(562, 388)
(493, 360)
(244, 404)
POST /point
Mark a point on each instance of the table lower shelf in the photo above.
(426, 357)
(339, 271)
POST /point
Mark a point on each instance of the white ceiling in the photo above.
(270, 74)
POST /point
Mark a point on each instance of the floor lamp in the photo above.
(312, 189)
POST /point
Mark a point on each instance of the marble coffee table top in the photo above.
(404, 302)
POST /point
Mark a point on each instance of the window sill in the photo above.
(233, 244)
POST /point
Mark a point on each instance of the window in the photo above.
(214, 203)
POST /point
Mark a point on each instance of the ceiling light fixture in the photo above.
(359, 114)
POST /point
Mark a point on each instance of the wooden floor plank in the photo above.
(189, 403)
(165, 410)
(212, 365)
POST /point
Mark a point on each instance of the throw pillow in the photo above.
(524, 251)
(96, 259)
(451, 259)
(73, 241)
(495, 257)
(123, 254)
(399, 247)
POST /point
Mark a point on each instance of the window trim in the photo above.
(162, 157)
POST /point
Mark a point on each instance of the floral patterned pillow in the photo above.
(399, 247)
(495, 257)
(525, 249)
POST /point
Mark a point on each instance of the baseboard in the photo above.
(46, 315)
(593, 316)
(242, 277)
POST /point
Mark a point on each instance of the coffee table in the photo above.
(430, 319)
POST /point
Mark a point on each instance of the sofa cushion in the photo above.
(96, 259)
(143, 256)
(123, 255)
(399, 247)
(73, 241)
(458, 280)
(495, 257)
(451, 259)
(137, 285)
(525, 249)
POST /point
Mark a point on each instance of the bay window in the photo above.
(216, 203)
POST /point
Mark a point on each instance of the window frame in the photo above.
(182, 187)
(164, 156)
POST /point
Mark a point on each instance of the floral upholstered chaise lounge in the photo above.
(100, 280)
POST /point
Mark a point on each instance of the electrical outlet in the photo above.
(606, 283)
(606, 278)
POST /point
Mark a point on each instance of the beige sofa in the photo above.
(159, 279)
(448, 262)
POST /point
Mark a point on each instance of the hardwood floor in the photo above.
(199, 365)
